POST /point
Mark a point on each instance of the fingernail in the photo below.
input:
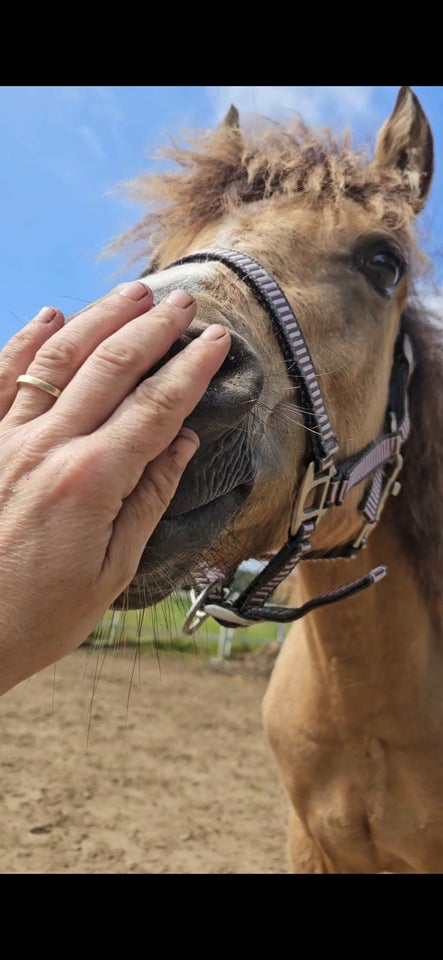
(188, 449)
(46, 314)
(135, 290)
(214, 332)
(189, 434)
(180, 298)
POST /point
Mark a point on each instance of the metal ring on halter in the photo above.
(40, 384)
(196, 615)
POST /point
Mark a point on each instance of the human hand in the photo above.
(85, 478)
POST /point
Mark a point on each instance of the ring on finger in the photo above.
(40, 384)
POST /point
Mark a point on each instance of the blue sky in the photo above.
(66, 148)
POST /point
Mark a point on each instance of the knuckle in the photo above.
(19, 340)
(168, 316)
(33, 448)
(57, 353)
(163, 398)
(76, 475)
(108, 305)
(160, 492)
(10, 353)
(114, 356)
(36, 449)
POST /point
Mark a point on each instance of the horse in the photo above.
(336, 393)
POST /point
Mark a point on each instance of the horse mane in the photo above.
(221, 169)
(419, 509)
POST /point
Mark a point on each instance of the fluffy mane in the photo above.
(221, 169)
(419, 509)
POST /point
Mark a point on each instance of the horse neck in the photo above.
(376, 647)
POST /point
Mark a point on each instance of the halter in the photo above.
(324, 485)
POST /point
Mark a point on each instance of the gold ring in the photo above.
(40, 384)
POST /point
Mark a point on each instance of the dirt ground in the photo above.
(159, 769)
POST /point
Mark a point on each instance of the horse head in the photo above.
(334, 228)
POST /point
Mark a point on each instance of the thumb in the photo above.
(145, 506)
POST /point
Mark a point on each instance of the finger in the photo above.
(143, 509)
(21, 349)
(119, 362)
(58, 360)
(148, 420)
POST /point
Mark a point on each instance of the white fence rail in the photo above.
(116, 628)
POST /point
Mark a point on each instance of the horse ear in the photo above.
(232, 118)
(405, 141)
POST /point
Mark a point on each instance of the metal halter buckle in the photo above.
(195, 615)
(316, 485)
(392, 487)
(199, 611)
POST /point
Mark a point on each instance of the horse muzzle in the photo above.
(219, 477)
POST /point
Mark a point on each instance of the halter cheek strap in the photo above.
(324, 485)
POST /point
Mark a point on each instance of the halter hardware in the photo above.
(312, 497)
(324, 485)
(391, 489)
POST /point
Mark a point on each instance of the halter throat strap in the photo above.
(324, 485)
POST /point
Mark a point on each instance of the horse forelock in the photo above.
(218, 171)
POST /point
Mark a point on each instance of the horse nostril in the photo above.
(239, 379)
(238, 360)
(231, 393)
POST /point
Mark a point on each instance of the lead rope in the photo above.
(233, 610)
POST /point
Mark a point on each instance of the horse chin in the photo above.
(176, 548)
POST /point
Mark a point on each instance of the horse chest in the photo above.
(338, 791)
(369, 810)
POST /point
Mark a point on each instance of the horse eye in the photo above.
(384, 270)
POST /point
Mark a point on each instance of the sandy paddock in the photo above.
(126, 765)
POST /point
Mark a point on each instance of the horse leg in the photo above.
(305, 855)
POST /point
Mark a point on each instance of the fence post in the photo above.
(115, 628)
(224, 644)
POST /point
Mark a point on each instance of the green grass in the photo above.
(160, 628)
